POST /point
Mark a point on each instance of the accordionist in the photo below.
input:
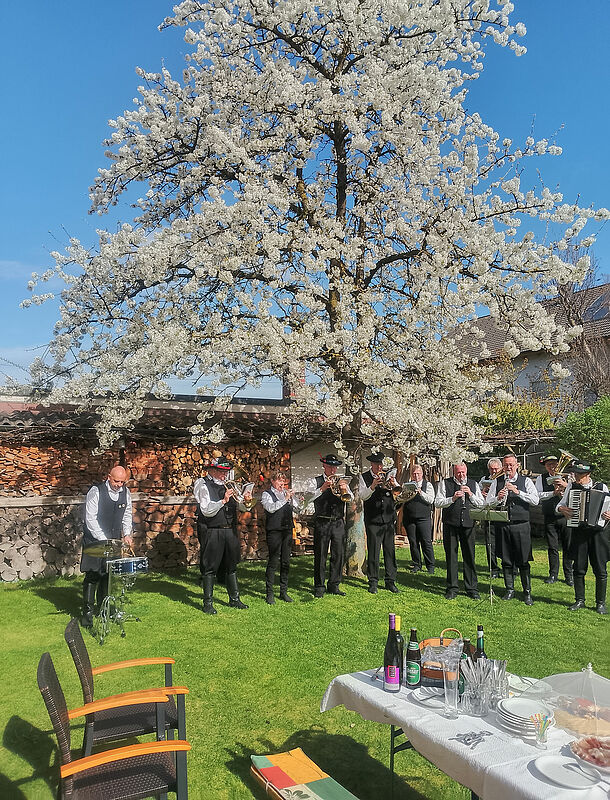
(590, 536)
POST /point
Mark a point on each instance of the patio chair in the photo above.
(126, 721)
(148, 769)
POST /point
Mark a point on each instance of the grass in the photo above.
(256, 677)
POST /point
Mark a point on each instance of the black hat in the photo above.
(331, 460)
(376, 458)
(580, 466)
(550, 457)
(221, 463)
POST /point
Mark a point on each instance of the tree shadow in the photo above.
(37, 748)
(343, 758)
(66, 599)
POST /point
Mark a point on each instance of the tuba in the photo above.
(565, 458)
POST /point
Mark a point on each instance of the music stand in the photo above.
(489, 515)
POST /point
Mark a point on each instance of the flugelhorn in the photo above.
(335, 487)
(240, 488)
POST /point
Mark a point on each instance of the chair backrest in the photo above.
(54, 700)
(80, 655)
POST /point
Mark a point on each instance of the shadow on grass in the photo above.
(35, 747)
(66, 599)
(344, 759)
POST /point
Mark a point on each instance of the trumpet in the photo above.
(335, 487)
(389, 482)
(240, 488)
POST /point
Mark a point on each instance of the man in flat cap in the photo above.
(108, 516)
(217, 530)
(329, 495)
(550, 488)
(590, 539)
(375, 489)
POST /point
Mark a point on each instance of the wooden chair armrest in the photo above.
(118, 701)
(131, 751)
(143, 694)
(134, 662)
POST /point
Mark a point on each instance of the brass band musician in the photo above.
(278, 502)
(375, 489)
(417, 522)
(550, 488)
(589, 541)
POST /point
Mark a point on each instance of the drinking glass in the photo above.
(450, 682)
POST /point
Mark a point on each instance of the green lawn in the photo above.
(256, 677)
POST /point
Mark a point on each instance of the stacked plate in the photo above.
(514, 715)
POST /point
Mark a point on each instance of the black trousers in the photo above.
(454, 536)
(590, 545)
(558, 534)
(514, 544)
(219, 545)
(490, 545)
(327, 534)
(419, 534)
(280, 547)
(378, 537)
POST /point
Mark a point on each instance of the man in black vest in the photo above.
(555, 528)
(494, 467)
(589, 541)
(217, 531)
(107, 516)
(417, 522)
(277, 502)
(514, 493)
(325, 492)
(379, 522)
(456, 496)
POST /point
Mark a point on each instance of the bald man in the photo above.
(107, 516)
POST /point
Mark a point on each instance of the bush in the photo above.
(587, 436)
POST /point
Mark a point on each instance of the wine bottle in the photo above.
(401, 645)
(480, 651)
(391, 659)
(413, 661)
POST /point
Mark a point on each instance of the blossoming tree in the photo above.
(316, 202)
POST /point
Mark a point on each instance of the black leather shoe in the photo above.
(577, 605)
(270, 599)
(415, 569)
(494, 574)
(474, 595)
(601, 608)
(570, 580)
(208, 607)
(431, 571)
(510, 594)
(319, 593)
(551, 579)
(336, 590)
(391, 587)
(285, 597)
(449, 595)
(372, 589)
(527, 599)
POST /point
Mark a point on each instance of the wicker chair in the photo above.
(127, 721)
(149, 769)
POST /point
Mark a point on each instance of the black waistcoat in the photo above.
(281, 519)
(417, 508)
(110, 514)
(518, 509)
(328, 504)
(549, 504)
(225, 517)
(458, 513)
(380, 507)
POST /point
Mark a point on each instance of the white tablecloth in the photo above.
(500, 768)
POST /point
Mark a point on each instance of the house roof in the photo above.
(588, 307)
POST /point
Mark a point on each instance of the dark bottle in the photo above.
(391, 659)
(401, 645)
(413, 661)
(480, 651)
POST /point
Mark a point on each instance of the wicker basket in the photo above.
(432, 671)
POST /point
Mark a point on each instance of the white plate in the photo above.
(522, 707)
(523, 734)
(429, 696)
(565, 772)
(526, 722)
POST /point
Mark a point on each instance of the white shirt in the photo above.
(542, 495)
(202, 495)
(363, 490)
(442, 501)
(271, 505)
(564, 500)
(530, 495)
(428, 495)
(92, 505)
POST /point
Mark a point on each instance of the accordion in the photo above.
(586, 506)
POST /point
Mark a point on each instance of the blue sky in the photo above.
(68, 67)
